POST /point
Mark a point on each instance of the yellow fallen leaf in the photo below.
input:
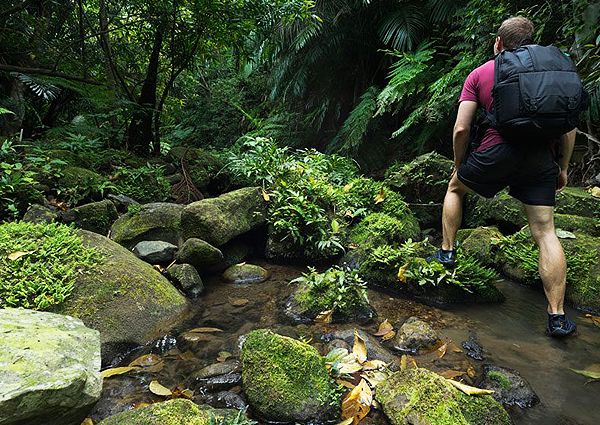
(451, 374)
(595, 191)
(359, 349)
(380, 197)
(374, 365)
(238, 302)
(155, 387)
(107, 373)
(388, 336)
(469, 390)
(324, 317)
(402, 273)
(87, 421)
(384, 328)
(471, 372)
(346, 421)
(140, 405)
(18, 254)
(179, 392)
(357, 403)
(350, 367)
(592, 372)
(407, 362)
(441, 352)
(346, 384)
(205, 330)
(265, 196)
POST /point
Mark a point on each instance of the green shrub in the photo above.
(39, 264)
(18, 189)
(78, 184)
(144, 184)
(337, 289)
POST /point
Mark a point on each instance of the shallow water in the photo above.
(511, 333)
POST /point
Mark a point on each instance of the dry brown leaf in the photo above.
(471, 372)
(359, 349)
(384, 328)
(157, 388)
(407, 362)
(350, 367)
(205, 330)
(265, 196)
(87, 421)
(107, 373)
(388, 336)
(380, 197)
(346, 384)
(238, 302)
(357, 403)
(595, 191)
(196, 337)
(13, 256)
(441, 352)
(146, 360)
(223, 355)
(324, 317)
(179, 392)
(451, 374)
(469, 390)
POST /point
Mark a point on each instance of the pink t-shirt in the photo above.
(478, 88)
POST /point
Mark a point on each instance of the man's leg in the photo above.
(552, 266)
(452, 213)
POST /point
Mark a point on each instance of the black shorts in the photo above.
(530, 172)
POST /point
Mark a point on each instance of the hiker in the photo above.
(529, 153)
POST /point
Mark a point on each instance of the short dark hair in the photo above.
(515, 32)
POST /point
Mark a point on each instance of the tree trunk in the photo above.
(139, 133)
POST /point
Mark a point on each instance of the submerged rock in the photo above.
(187, 277)
(418, 396)
(199, 254)
(415, 335)
(126, 299)
(49, 368)
(227, 399)
(286, 380)
(473, 348)
(155, 252)
(96, 217)
(158, 221)
(246, 273)
(509, 386)
(217, 369)
(172, 412)
(219, 220)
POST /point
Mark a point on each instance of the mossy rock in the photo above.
(418, 396)
(127, 300)
(480, 244)
(219, 220)
(159, 221)
(246, 274)
(577, 201)
(96, 217)
(429, 215)
(286, 380)
(502, 210)
(178, 411)
(199, 254)
(424, 179)
(40, 214)
(379, 228)
(576, 223)
(77, 184)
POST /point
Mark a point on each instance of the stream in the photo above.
(511, 333)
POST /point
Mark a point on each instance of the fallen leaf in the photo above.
(380, 197)
(471, 372)
(592, 372)
(346, 421)
(265, 196)
(595, 319)
(441, 352)
(388, 336)
(149, 363)
(205, 330)
(375, 377)
(196, 337)
(107, 373)
(384, 328)
(223, 355)
(13, 256)
(324, 317)
(350, 367)
(563, 234)
(140, 405)
(87, 421)
(182, 393)
(374, 365)
(155, 387)
(346, 384)
(187, 356)
(357, 403)
(402, 273)
(595, 191)
(469, 390)
(239, 302)
(407, 362)
(359, 349)
(451, 374)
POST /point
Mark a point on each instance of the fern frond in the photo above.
(403, 28)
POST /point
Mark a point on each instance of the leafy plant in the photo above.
(144, 184)
(39, 264)
(238, 419)
(18, 189)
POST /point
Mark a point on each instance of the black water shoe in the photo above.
(445, 256)
(559, 326)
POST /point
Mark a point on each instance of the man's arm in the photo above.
(567, 143)
(462, 130)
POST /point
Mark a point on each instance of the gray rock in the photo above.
(509, 387)
(217, 369)
(375, 351)
(96, 217)
(199, 254)
(415, 335)
(122, 202)
(246, 273)
(220, 382)
(49, 368)
(219, 220)
(159, 221)
(227, 400)
(155, 252)
(40, 214)
(186, 276)
(473, 348)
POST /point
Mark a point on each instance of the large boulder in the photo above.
(155, 252)
(199, 254)
(502, 210)
(480, 244)
(96, 216)
(40, 214)
(379, 228)
(423, 180)
(219, 220)
(171, 412)
(577, 201)
(286, 380)
(159, 221)
(49, 368)
(418, 396)
(124, 298)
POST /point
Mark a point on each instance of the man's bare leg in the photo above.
(552, 266)
(452, 213)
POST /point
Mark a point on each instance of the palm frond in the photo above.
(403, 28)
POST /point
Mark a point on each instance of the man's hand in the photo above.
(562, 180)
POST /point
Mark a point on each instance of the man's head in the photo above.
(514, 32)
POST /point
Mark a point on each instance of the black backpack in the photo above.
(537, 94)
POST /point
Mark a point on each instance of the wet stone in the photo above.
(155, 252)
(473, 348)
(246, 273)
(415, 335)
(375, 351)
(220, 382)
(187, 277)
(509, 387)
(218, 369)
(227, 400)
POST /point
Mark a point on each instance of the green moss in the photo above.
(52, 257)
(480, 244)
(577, 201)
(285, 379)
(144, 184)
(499, 378)
(77, 184)
(502, 210)
(95, 217)
(576, 223)
(420, 396)
(379, 228)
